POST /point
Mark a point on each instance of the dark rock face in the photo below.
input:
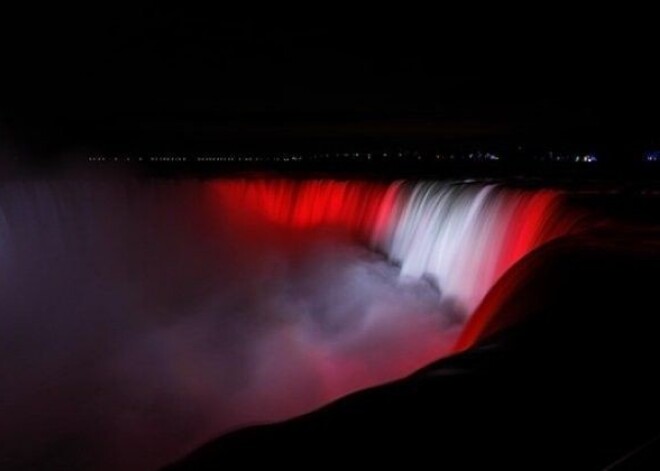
(562, 376)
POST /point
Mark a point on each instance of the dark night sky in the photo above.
(169, 77)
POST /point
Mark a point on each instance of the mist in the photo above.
(139, 319)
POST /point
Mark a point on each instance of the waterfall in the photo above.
(461, 236)
(139, 319)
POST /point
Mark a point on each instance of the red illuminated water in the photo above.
(352, 206)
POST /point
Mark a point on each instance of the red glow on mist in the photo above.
(509, 301)
(480, 324)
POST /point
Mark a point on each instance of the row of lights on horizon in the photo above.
(474, 156)
(294, 158)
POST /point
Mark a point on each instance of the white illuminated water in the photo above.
(464, 236)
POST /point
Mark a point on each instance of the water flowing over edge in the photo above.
(461, 236)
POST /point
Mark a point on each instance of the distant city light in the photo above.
(474, 156)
